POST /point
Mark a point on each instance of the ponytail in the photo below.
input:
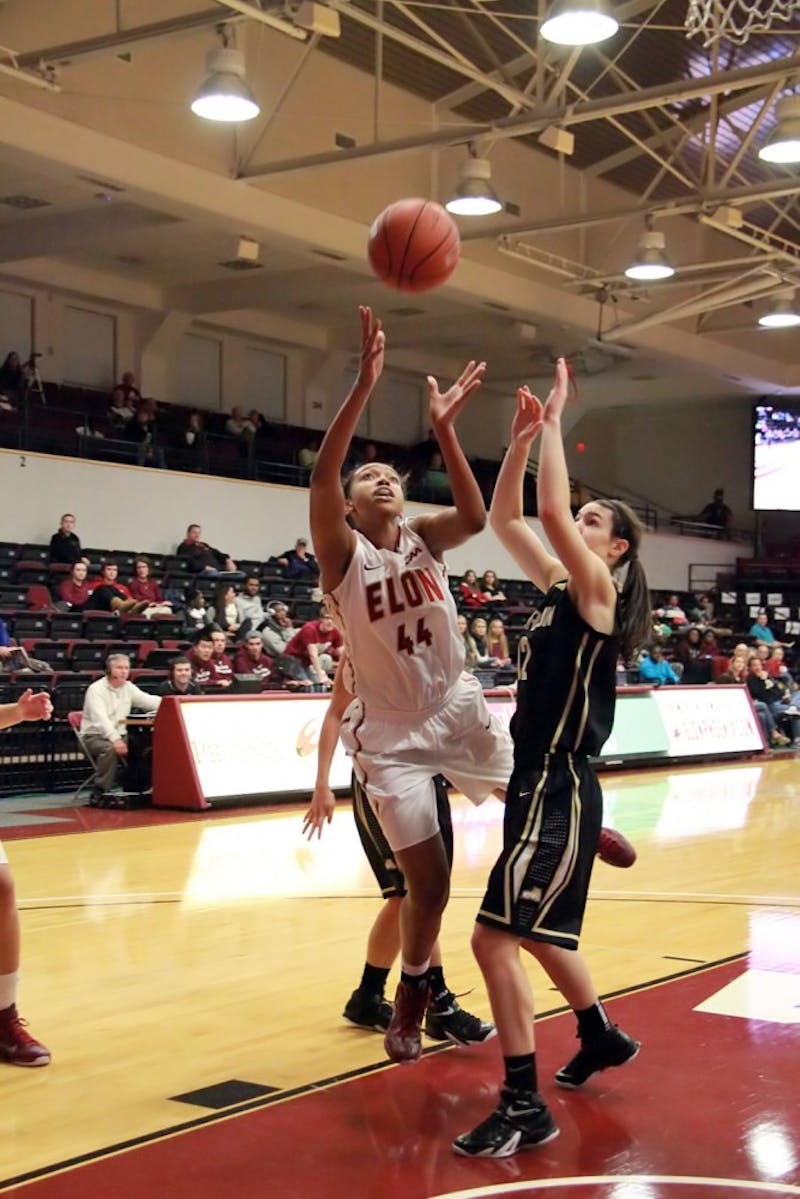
(634, 601)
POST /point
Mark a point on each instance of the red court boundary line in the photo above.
(272, 1100)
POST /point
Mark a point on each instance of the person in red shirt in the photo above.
(74, 591)
(204, 668)
(313, 650)
(222, 664)
(109, 595)
(472, 595)
(251, 659)
(144, 588)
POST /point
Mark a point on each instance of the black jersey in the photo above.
(567, 683)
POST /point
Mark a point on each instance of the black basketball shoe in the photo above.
(612, 1048)
(448, 1021)
(368, 1010)
(521, 1120)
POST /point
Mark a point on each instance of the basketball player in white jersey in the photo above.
(417, 714)
(17, 1046)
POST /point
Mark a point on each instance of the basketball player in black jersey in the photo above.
(596, 606)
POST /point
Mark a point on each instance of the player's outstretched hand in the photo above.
(373, 344)
(528, 418)
(557, 399)
(320, 813)
(34, 705)
(445, 408)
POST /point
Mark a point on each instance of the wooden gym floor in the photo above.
(188, 973)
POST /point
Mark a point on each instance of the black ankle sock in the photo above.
(441, 995)
(373, 980)
(521, 1072)
(592, 1022)
(417, 981)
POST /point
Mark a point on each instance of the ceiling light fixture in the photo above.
(650, 262)
(579, 23)
(475, 195)
(782, 314)
(783, 143)
(225, 95)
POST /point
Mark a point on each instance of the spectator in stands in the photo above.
(489, 586)
(497, 642)
(143, 432)
(109, 595)
(768, 691)
(655, 669)
(689, 656)
(251, 659)
(762, 634)
(776, 665)
(250, 614)
(65, 546)
(435, 482)
(126, 397)
(470, 648)
(179, 680)
(222, 663)
(672, 613)
(74, 591)
(201, 656)
(479, 629)
(238, 425)
(144, 588)
(223, 611)
(422, 453)
(307, 456)
(298, 563)
(716, 512)
(106, 707)
(277, 630)
(202, 558)
(13, 380)
(313, 651)
(196, 610)
(470, 592)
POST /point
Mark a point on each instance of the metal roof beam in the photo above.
(518, 126)
(121, 40)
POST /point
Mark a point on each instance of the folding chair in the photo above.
(74, 721)
(113, 799)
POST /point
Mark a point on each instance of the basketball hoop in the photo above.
(736, 20)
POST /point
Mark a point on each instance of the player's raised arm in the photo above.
(467, 516)
(506, 514)
(332, 537)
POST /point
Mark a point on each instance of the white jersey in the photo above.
(398, 619)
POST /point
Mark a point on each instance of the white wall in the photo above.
(133, 508)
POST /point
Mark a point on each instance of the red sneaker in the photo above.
(403, 1040)
(17, 1046)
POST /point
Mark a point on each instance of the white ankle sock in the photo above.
(415, 971)
(8, 989)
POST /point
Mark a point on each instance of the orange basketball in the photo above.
(414, 245)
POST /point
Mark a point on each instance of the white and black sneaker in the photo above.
(521, 1120)
(448, 1021)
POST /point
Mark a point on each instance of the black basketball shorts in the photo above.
(538, 886)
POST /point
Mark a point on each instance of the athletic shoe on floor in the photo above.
(367, 1010)
(403, 1040)
(521, 1120)
(613, 1048)
(17, 1046)
(449, 1022)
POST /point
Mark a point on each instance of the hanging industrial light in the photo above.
(224, 94)
(475, 195)
(650, 262)
(782, 314)
(579, 23)
(783, 143)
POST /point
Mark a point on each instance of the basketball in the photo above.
(614, 849)
(414, 245)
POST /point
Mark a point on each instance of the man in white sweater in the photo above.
(106, 707)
